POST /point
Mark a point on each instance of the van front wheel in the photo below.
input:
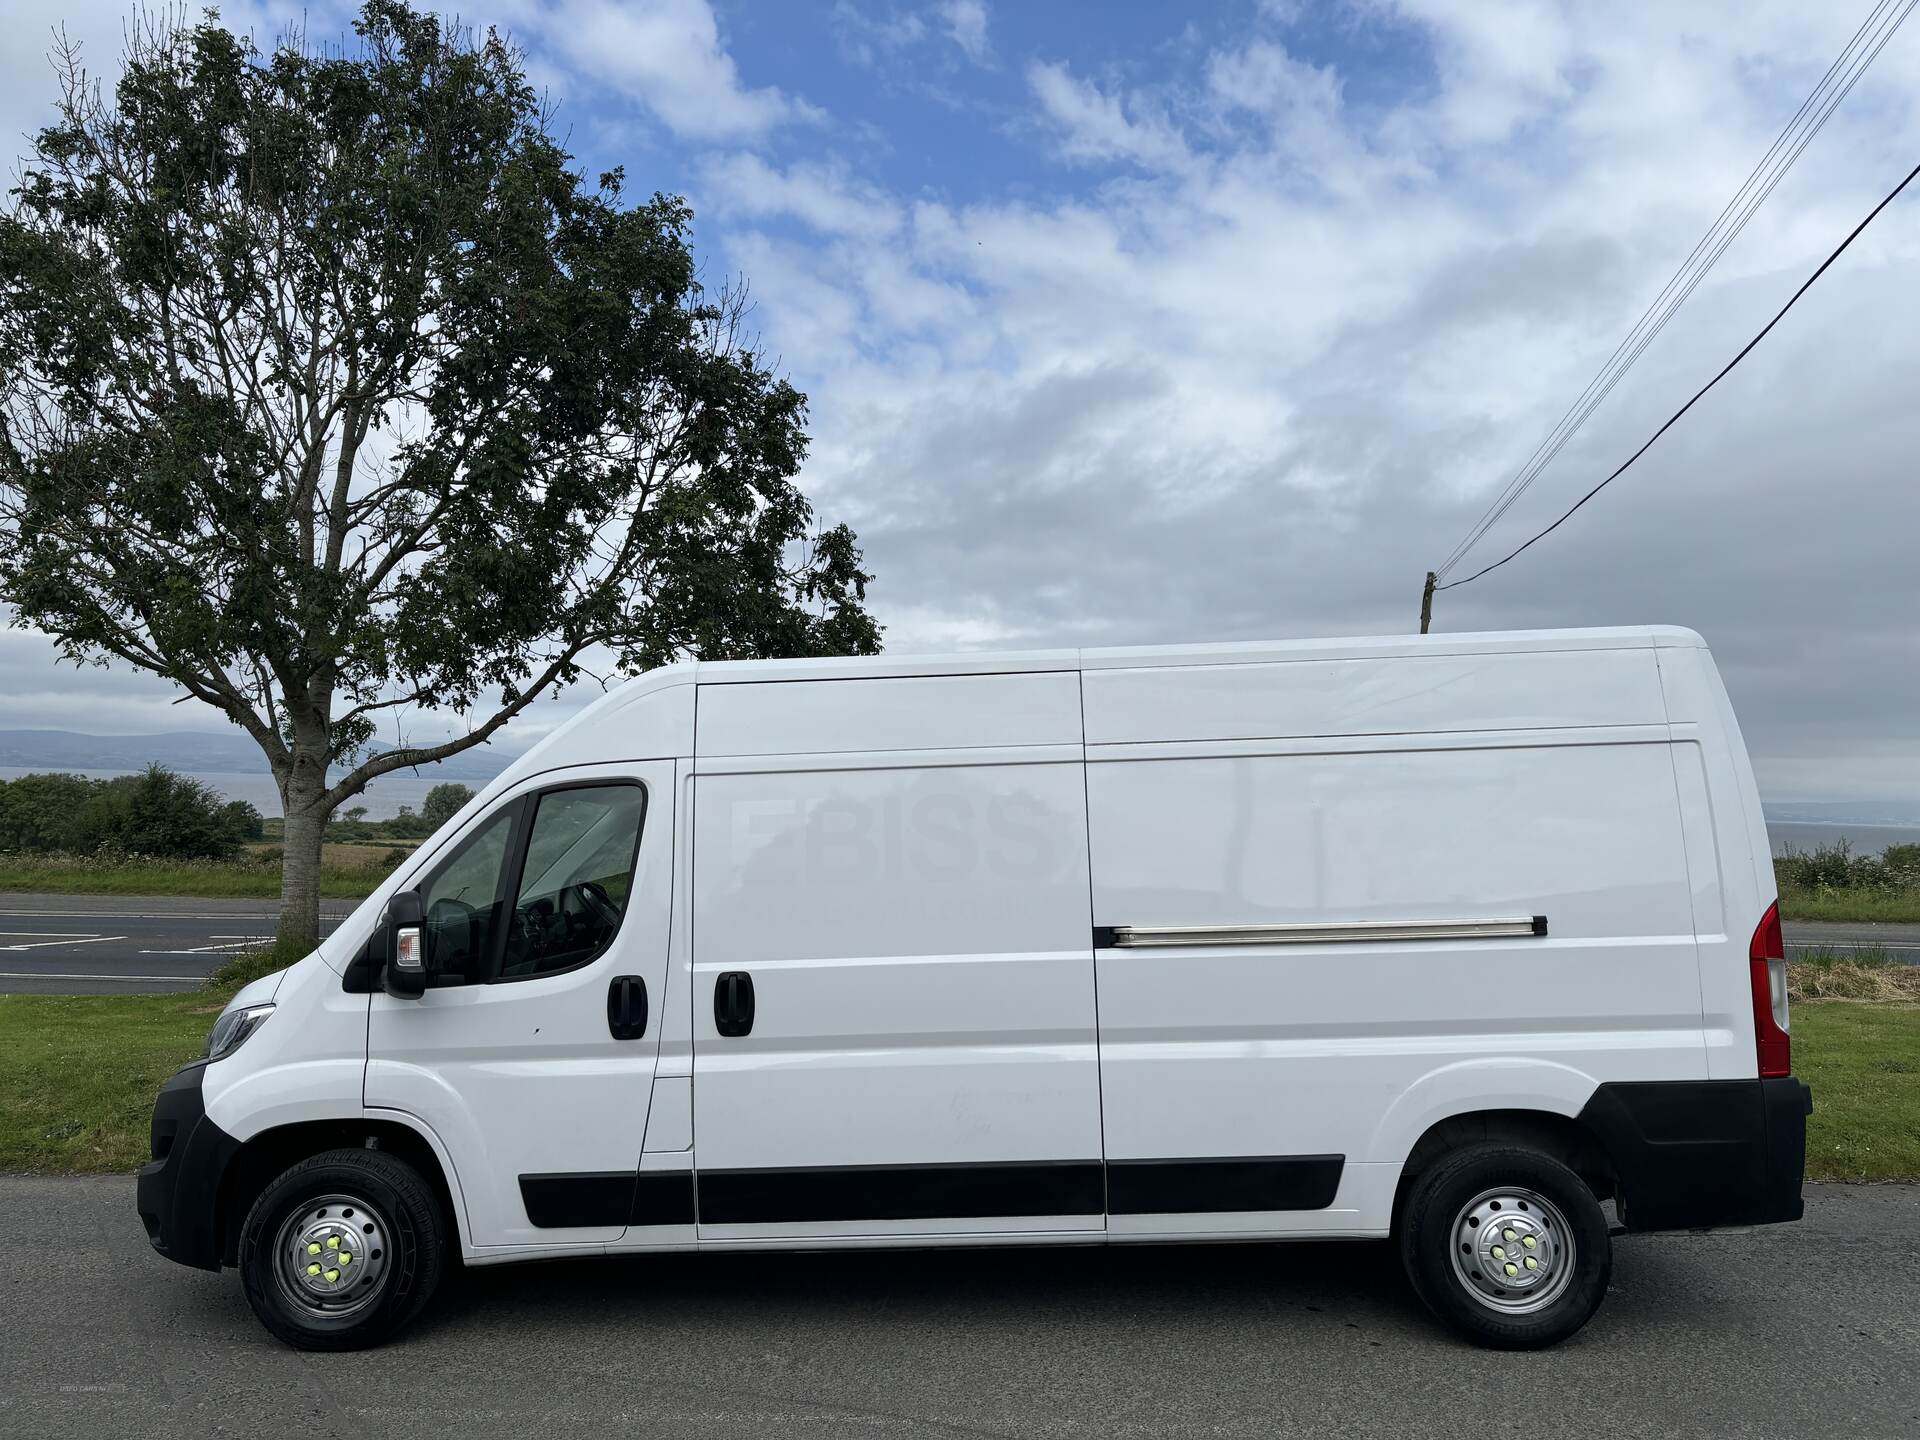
(342, 1250)
(1507, 1245)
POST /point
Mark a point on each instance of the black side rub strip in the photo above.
(901, 1192)
(613, 1197)
(934, 1192)
(1209, 1187)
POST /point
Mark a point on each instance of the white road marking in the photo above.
(68, 975)
(135, 914)
(208, 949)
(61, 940)
(1856, 944)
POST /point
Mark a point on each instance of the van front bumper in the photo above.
(177, 1195)
(1690, 1154)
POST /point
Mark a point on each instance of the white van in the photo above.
(1444, 939)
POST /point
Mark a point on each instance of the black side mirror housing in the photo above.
(406, 932)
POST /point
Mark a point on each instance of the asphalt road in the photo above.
(119, 945)
(1809, 1329)
(123, 945)
(1901, 942)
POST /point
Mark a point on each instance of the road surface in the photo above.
(119, 944)
(1808, 1329)
(1843, 937)
(124, 945)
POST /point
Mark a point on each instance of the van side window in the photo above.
(575, 880)
(464, 901)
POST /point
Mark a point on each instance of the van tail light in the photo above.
(1767, 959)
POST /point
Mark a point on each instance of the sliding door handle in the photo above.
(733, 1003)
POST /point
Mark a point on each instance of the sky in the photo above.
(1131, 323)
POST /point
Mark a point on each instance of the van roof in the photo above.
(1241, 652)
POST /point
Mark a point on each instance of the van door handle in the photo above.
(733, 1003)
(627, 1007)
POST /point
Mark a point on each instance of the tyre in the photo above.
(342, 1250)
(1507, 1245)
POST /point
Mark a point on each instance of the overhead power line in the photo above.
(1725, 371)
(1866, 44)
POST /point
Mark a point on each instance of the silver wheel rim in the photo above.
(332, 1256)
(1513, 1251)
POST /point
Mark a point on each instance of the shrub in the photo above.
(45, 812)
(156, 813)
(442, 803)
(1836, 867)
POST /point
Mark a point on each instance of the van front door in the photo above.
(531, 1054)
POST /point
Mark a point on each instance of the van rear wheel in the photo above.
(1507, 1245)
(342, 1250)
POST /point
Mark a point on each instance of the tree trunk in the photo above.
(302, 793)
(300, 880)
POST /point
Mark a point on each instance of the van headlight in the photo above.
(233, 1027)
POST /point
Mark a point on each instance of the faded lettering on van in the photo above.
(940, 836)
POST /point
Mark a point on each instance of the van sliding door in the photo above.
(894, 1022)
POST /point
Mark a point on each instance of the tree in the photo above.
(243, 822)
(161, 812)
(329, 391)
(45, 812)
(442, 802)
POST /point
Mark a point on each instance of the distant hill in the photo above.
(1845, 812)
(197, 752)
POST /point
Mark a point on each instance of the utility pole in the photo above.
(1426, 603)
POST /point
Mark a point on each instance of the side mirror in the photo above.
(406, 970)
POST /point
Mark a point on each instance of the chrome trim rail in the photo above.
(1139, 937)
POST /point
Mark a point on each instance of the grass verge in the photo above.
(1892, 907)
(78, 1073)
(1863, 1062)
(248, 878)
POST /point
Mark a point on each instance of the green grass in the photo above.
(78, 1076)
(1863, 1062)
(249, 879)
(1891, 906)
(78, 1073)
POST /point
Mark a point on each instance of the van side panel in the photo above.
(1722, 808)
(1354, 1049)
(1410, 694)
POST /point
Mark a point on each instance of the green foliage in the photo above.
(156, 813)
(45, 812)
(229, 977)
(329, 387)
(250, 874)
(1830, 882)
(442, 802)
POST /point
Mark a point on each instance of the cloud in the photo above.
(1252, 324)
(891, 38)
(966, 22)
(818, 195)
(1266, 350)
(668, 56)
(1090, 124)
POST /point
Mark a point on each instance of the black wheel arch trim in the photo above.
(1692, 1154)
